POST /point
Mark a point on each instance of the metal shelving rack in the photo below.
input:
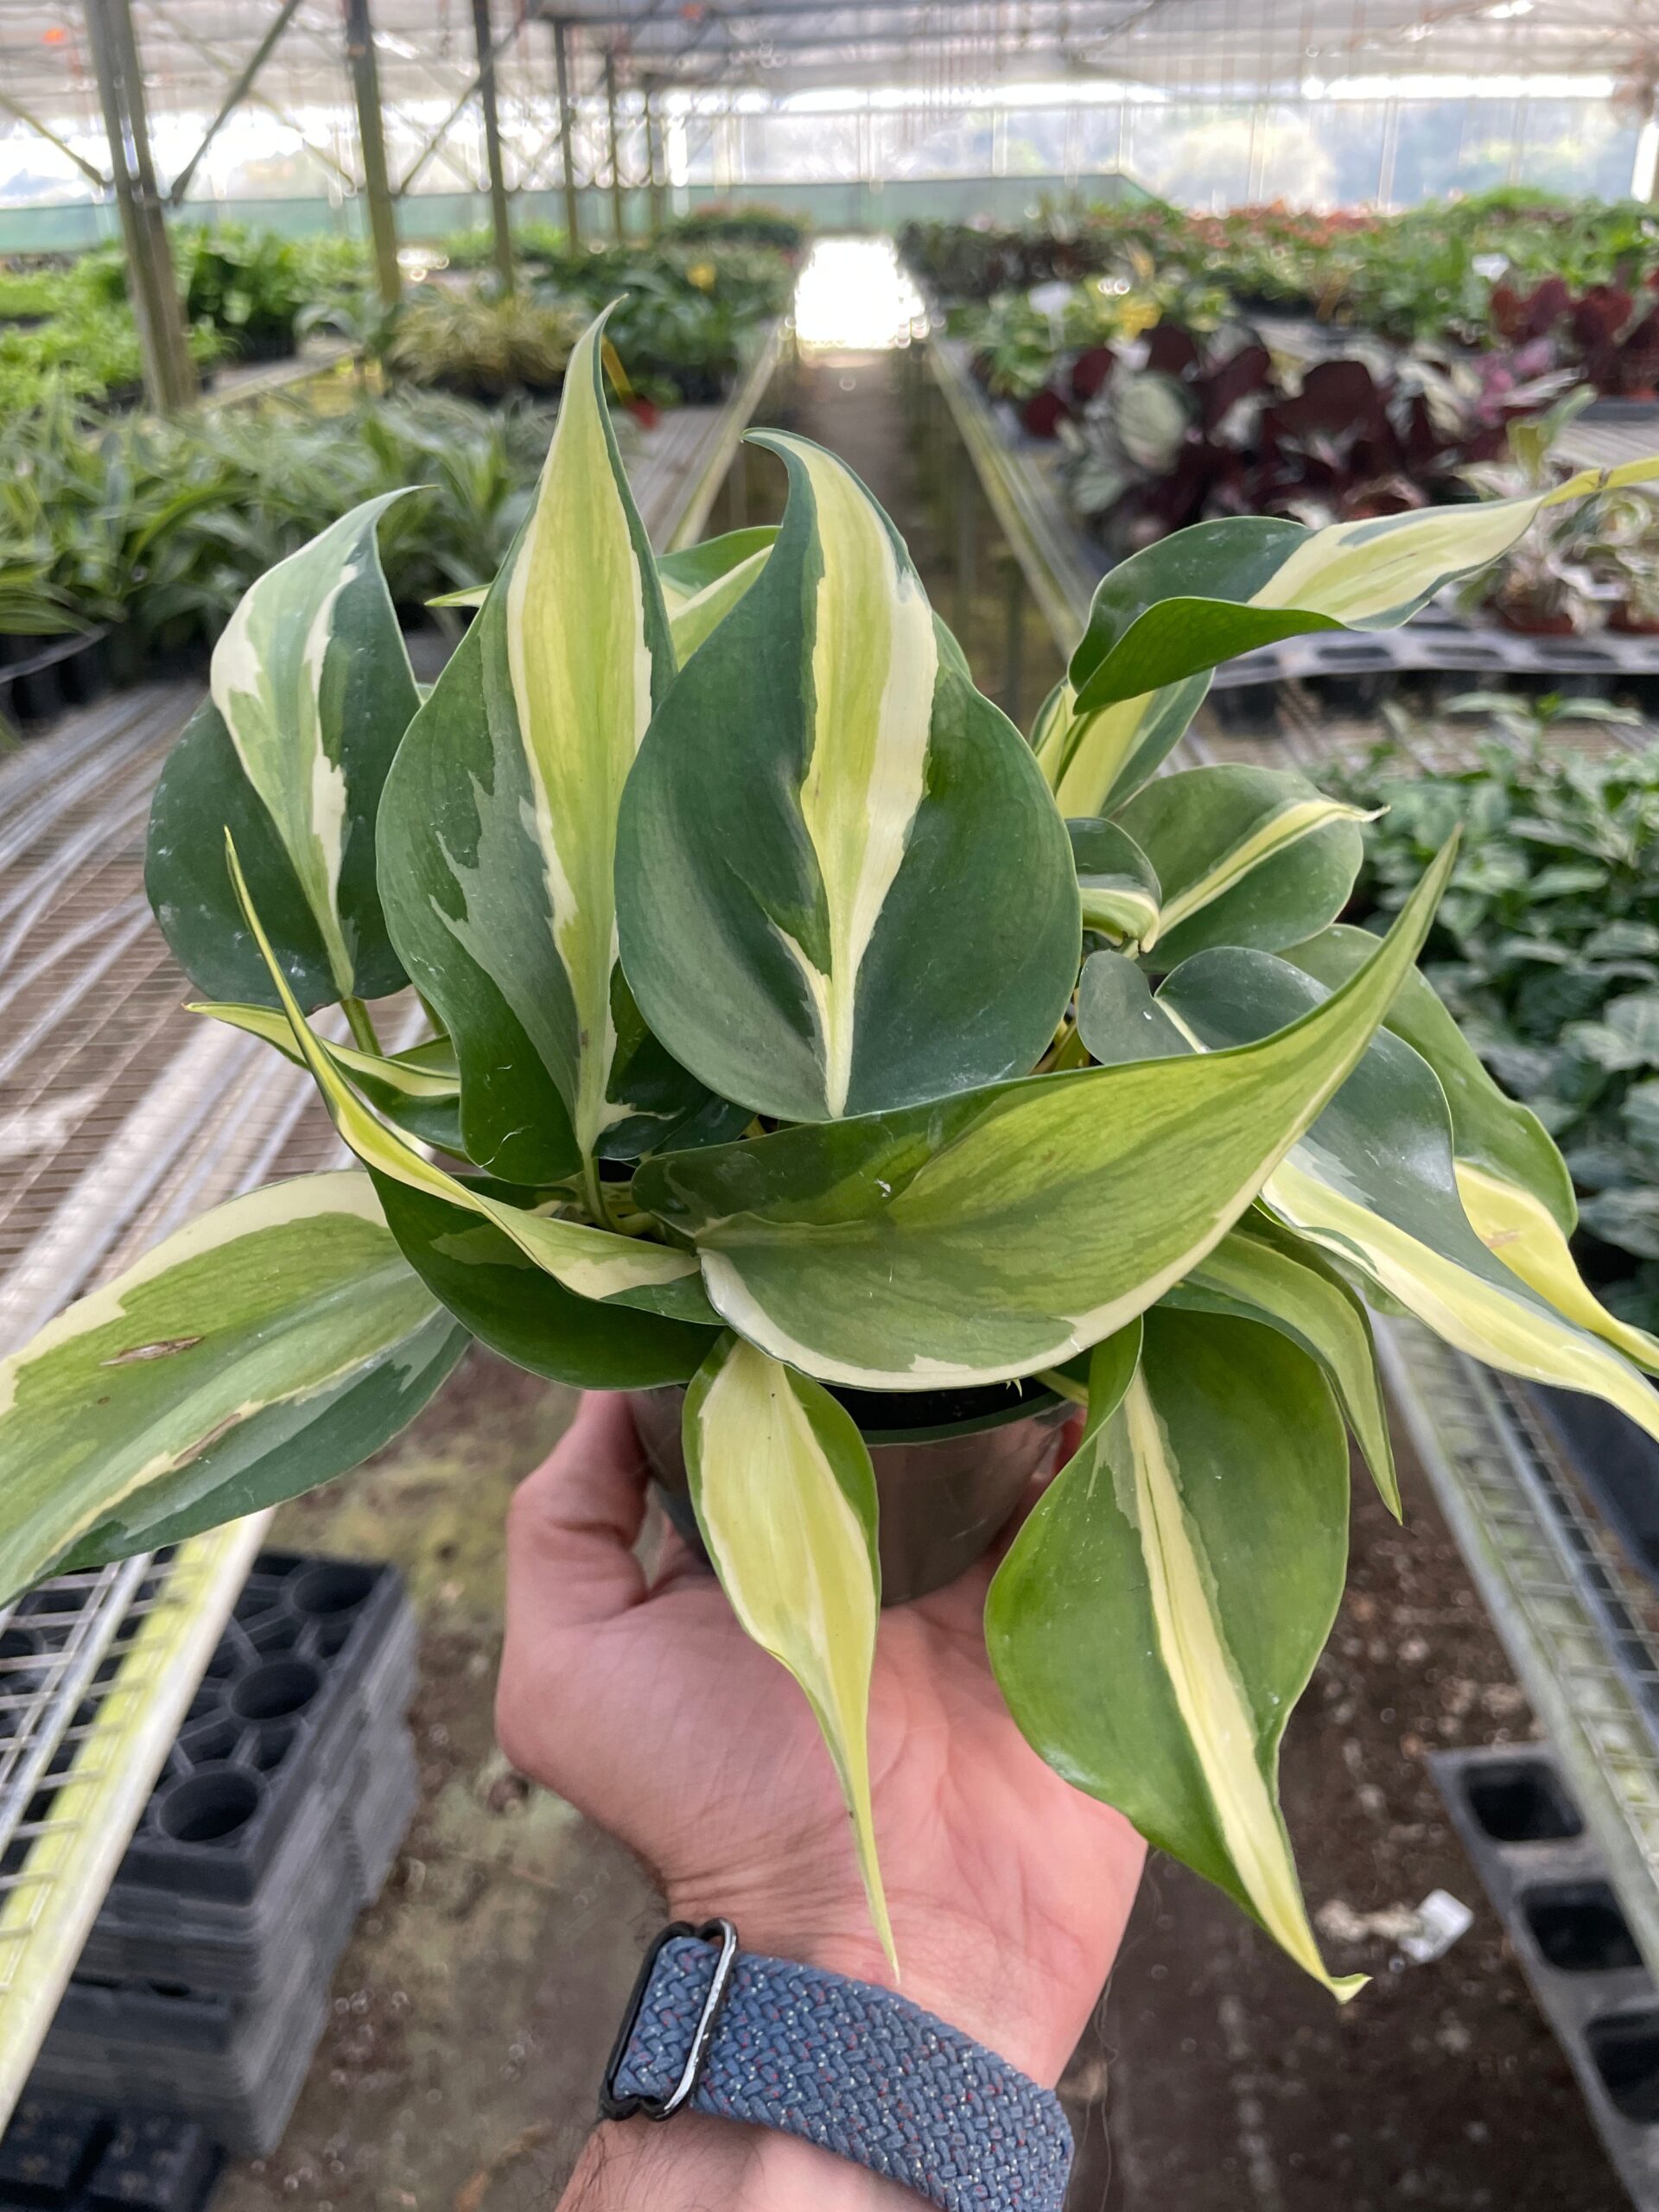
(120, 1117)
(1579, 1626)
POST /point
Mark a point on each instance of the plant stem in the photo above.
(1070, 1052)
(362, 1027)
(593, 1190)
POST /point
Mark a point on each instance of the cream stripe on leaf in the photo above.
(497, 834)
(1204, 595)
(1244, 855)
(1116, 882)
(1489, 1130)
(898, 917)
(1096, 760)
(311, 695)
(264, 1348)
(1161, 1611)
(1523, 1233)
(687, 574)
(1374, 1183)
(784, 1496)
(994, 1234)
(419, 1090)
(593, 1262)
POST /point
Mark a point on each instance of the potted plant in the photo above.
(789, 1046)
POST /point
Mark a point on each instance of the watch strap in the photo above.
(854, 2068)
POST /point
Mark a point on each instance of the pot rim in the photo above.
(1041, 1404)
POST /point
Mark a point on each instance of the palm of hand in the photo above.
(650, 1709)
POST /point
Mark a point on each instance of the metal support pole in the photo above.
(372, 137)
(657, 159)
(500, 219)
(90, 170)
(567, 133)
(169, 373)
(233, 99)
(619, 213)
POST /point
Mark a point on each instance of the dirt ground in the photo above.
(473, 2011)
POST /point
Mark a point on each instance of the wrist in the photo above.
(949, 1966)
(692, 2164)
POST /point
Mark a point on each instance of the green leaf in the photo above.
(1161, 1611)
(592, 1262)
(1095, 760)
(312, 693)
(685, 574)
(1204, 595)
(1488, 1129)
(1626, 1037)
(516, 1308)
(1259, 1272)
(696, 619)
(1118, 1018)
(1116, 882)
(785, 1497)
(419, 1090)
(498, 828)
(1245, 855)
(994, 1234)
(1374, 1184)
(897, 916)
(266, 1347)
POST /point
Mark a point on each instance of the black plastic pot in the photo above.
(950, 1467)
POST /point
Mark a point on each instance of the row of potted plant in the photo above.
(142, 534)
(684, 314)
(821, 1060)
(1488, 268)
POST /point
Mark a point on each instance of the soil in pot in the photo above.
(950, 1467)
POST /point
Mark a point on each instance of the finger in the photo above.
(573, 1524)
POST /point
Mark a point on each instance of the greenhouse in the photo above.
(828, 1105)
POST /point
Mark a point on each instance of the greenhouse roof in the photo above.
(192, 47)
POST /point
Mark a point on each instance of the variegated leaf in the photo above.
(592, 1262)
(1374, 1184)
(993, 1234)
(1116, 882)
(1204, 595)
(266, 1347)
(785, 1497)
(419, 1090)
(312, 693)
(1159, 1612)
(807, 968)
(1097, 759)
(1489, 1130)
(1522, 1232)
(1244, 855)
(498, 829)
(1260, 1272)
(520, 1310)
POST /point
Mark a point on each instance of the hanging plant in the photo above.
(790, 1050)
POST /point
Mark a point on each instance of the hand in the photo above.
(642, 1701)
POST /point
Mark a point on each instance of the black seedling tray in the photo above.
(1517, 1821)
(66, 2154)
(316, 1652)
(331, 1865)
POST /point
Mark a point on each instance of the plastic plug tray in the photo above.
(316, 1652)
(65, 2154)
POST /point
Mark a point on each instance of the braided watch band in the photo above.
(855, 2069)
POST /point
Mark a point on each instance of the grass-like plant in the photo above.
(804, 1035)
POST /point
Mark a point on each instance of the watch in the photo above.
(847, 2065)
